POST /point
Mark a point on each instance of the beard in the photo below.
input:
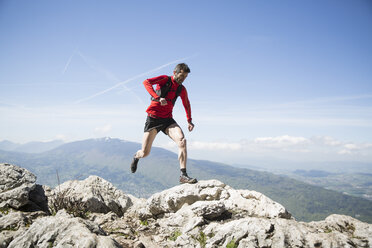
(178, 80)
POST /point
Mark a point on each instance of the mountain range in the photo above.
(30, 147)
(110, 158)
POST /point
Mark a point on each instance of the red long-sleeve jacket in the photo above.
(166, 111)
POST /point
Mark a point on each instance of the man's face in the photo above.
(180, 76)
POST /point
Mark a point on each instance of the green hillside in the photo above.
(110, 159)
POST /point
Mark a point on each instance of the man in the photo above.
(160, 116)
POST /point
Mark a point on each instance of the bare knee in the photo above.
(182, 143)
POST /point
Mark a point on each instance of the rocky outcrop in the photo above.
(206, 214)
(14, 223)
(93, 194)
(211, 192)
(257, 232)
(212, 214)
(15, 186)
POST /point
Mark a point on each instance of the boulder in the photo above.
(264, 232)
(93, 194)
(252, 203)
(245, 202)
(63, 230)
(15, 186)
(360, 232)
(13, 223)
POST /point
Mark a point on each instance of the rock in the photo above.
(102, 219)
(248, 203)
(63, 230)
(206, 214)
(212, 214)
(13, 223)
(138, 209)
(263, 232)
(191, 216)
(15, 186)
(209, 210)
(7, 236)
(252, 203)
(93, 194)
(10, 227)
(360, 232)
(173, 199)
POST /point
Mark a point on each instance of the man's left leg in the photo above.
(176, 134)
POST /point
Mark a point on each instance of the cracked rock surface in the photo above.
(15, 186)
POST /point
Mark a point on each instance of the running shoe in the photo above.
(133, 165)
(187, 179)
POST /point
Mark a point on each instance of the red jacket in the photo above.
(166, 111)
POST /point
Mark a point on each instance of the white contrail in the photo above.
(68, 62)
(131, 79)
(95, 66)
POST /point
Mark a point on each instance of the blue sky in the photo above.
(279, 79)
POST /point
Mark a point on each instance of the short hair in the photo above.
(182, 67)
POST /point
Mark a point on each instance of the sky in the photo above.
(270, 80)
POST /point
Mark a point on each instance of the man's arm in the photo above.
(148, 83)
(187, 106)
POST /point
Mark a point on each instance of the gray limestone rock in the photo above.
(263, 232)
(15, 186)
(93, 194)
(248, 203)
(195, 216)
(63, 230)
(13, 223)
(206, 214)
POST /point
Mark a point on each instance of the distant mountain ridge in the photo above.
(30, 147)
(110, 159)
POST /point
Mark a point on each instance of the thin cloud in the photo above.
(103, 130)
(281, 141)
(326, 140)
(323, 100)
(285, 144)
(130, 79)
(6, 104)
(215, 145)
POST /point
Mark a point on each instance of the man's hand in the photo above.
(163, 101)
(191, 126)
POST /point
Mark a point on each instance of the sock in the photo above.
(183, 172)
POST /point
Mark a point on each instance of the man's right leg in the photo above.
(148, 139)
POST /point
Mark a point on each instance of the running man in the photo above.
(160, 116)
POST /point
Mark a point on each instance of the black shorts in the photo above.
(161, 124)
